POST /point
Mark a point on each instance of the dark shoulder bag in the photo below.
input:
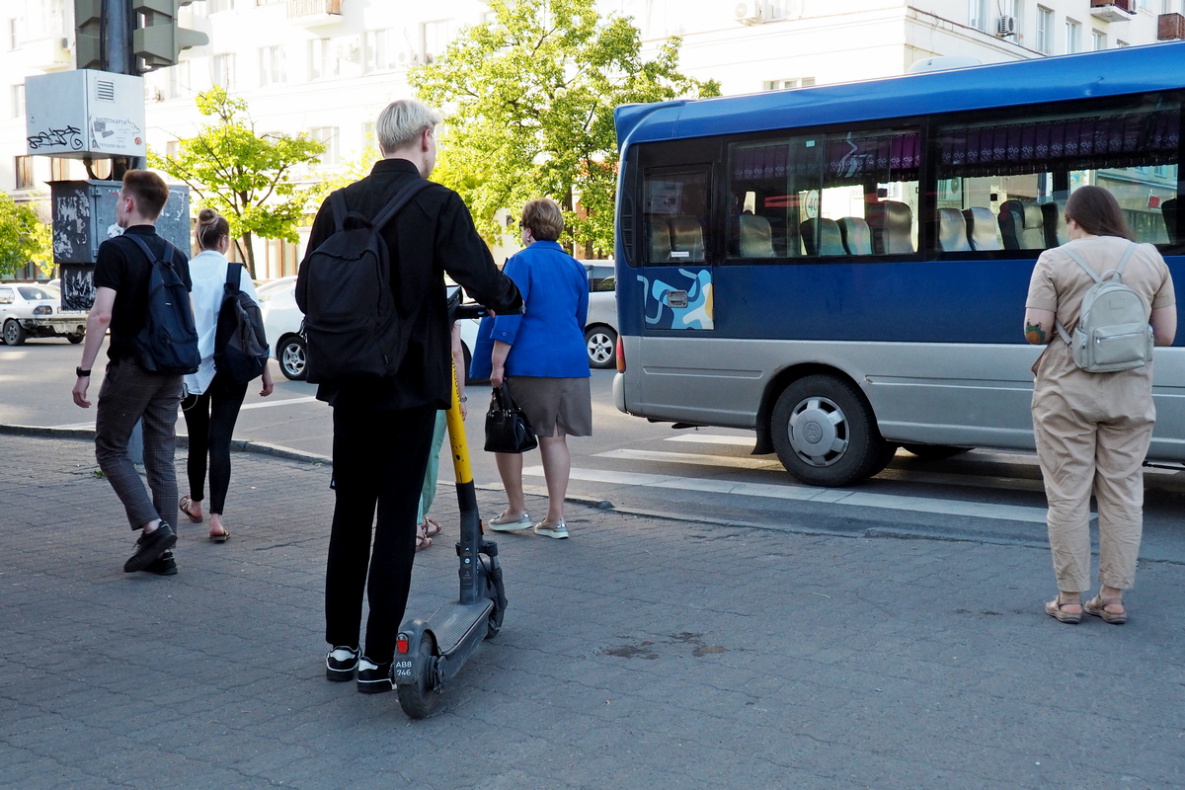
(507, 429)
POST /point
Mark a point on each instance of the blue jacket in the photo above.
(547, 340)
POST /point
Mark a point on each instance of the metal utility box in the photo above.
(85, 113)
(84, 217)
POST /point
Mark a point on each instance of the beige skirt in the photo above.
(554, 407)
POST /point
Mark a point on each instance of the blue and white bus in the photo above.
(843, 269)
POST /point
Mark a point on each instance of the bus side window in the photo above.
(676, 208)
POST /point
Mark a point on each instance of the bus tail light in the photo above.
(620, 356)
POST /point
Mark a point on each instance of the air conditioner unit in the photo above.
(1006, 26)
(750, 13)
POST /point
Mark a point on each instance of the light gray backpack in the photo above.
(1112, 332)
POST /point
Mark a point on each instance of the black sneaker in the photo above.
(150, 547)
(341, 663)
(374, 678)
(164, 565)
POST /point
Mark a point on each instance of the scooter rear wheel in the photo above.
(416, 698)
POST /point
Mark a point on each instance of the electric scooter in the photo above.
(428, 653)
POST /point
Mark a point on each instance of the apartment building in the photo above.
(326, 67)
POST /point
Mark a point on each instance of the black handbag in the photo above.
(507, 429)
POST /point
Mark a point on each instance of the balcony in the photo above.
(1170, 27)
(314, 13)
(1109, 10)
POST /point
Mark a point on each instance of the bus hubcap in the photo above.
(818, 431)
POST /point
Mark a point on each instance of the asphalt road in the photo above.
(695, 475)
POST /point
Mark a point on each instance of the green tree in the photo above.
(24, 238)
(529, 97)
(248, 178)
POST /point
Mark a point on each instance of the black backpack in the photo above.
(168, 343)
(353, 329)
(240, 344)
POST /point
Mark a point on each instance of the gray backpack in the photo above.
(1113, 331)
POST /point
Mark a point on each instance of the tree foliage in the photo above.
(24, 238)
(248, 178)
(529, 97)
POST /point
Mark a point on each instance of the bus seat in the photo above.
(1056, 233)
(755, 237)
(983, 232)
(821, 237)
(660, 239)
(1022, 225)
(686, 237)
(891, 222)
(1168, 209)
(856, 235)
(952, 231)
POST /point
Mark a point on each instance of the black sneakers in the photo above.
(164, 565)
(341, 663)
(374, 678)
(150, 547)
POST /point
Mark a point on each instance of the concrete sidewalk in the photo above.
(642, 653)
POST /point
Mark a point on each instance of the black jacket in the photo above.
(431, 235)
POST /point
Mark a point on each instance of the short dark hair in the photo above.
(149, 189)
(545, 219)
(1098, 213)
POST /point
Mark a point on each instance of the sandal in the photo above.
(184, 504)
(1054, 609)
(430, 528)
(422, 540)
(221, 537)
(1098, 607)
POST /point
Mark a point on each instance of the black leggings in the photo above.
(210, 420)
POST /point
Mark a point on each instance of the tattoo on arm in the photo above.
(1034, 333)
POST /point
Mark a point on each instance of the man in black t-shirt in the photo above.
(130, 394)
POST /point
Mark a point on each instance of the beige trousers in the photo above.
(1093, 432)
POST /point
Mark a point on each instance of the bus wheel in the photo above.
(934, 452)
(825, 434)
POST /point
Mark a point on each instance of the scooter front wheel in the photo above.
(416, 698)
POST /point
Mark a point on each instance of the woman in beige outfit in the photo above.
(1093, 429)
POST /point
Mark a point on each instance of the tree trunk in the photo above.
(247, 253)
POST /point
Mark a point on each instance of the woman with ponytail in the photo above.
(212, 402)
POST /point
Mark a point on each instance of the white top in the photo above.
(207, 271)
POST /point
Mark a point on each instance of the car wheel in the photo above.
(75, 338)
(14, 333)
(293, 358)
(601, 342)
(825, 432)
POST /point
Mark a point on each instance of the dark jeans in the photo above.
(379, 459)
(130, 394)
(210, 420)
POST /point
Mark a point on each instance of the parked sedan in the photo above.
(28, 310)
(282, 321)
(600, 330)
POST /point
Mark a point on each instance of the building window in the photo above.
(1098, 40)
(224, 70)
(59, 169)
(1121, 43)
(369, 138)
(272, 66)
(1044, 30)
(216, 6)
(13, 34)
(18, 101)
(329, 136)
(977, 14)
(24, 172)
(1073, 34)
(323, 62)
(796, 82)
(437, 36)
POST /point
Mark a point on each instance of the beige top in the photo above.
(1059, 285)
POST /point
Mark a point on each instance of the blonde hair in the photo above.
(401, 122)
(545, 219)
(212, 226)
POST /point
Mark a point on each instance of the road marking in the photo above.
(267, 404)
(697, 459)
(834, 496)
(708, 438)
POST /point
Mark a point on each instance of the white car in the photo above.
(600, 330)
(33, 310)
(282, 321)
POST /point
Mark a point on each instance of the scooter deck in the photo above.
(453, 621)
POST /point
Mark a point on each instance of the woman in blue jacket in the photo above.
(542, 353)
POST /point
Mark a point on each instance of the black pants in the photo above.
(379, 460)
(210, 419)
